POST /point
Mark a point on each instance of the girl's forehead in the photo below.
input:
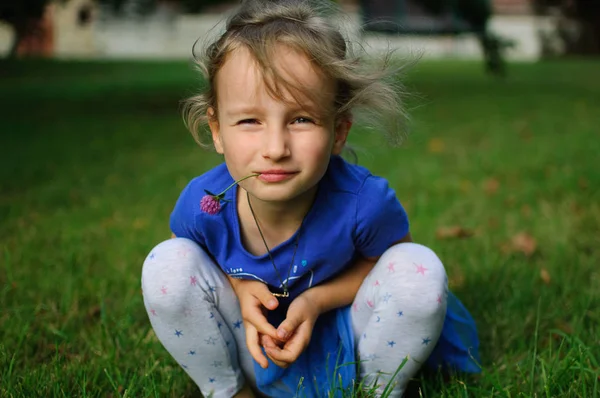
(242, 78)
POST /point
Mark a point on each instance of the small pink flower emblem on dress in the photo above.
(211, 203)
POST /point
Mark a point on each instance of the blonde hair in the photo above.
(259, 25)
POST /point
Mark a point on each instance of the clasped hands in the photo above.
(284, 344)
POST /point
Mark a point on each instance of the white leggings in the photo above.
(398, 312)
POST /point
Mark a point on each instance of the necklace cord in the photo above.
(284, 284)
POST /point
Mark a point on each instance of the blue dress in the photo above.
(329, 360)
(354, 213)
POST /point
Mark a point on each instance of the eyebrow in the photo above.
(249, 110)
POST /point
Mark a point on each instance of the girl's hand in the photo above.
(295, 332)
(255, 299)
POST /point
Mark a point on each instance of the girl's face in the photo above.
(288, 143)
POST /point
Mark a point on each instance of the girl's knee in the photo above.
(405, 259)
(415, 271)
(169, 272)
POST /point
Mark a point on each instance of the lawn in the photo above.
(500, 177)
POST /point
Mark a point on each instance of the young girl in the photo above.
(291, 271)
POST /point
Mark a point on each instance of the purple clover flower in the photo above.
(211, 203)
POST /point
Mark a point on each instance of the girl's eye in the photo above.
(302, 119)
(248, 121)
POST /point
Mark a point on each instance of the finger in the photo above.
(268, 341)
(266, 298)
(269, 344)
(287, 327)
(293, 347)
(281, 364)
(252, 342)
(255, 317)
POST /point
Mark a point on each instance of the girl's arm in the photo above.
(342, 289)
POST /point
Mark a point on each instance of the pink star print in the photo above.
(193, 280)
(376, 283)
(439, 299)
(153, 312)
(370, 303)
(355, 307)
(184, 252)
(163, 290)
(391, 267)
(420, 269)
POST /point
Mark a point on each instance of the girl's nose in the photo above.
(276, 145)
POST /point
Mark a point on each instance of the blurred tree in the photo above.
(587, 15)
(454, 17)
(23, 16)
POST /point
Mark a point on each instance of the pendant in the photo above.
(284, 294)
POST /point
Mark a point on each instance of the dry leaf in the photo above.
(493, 222)
(435, 145)
(545, 275)
(524, 243)
(139, 223)
(457, 280)
(453, 232)
(466, 186)
(94, 312)
(491, 185)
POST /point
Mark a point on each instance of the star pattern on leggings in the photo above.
(192, 352)
(237, 325)
(193, 280)
(178, 333)
(217, 364)
(391, 343)
(420, 269)
(211, 341)
(426, 341)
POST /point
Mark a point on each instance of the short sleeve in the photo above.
(183, 222)
(380, 218)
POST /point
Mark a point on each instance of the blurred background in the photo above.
(105, 29)
(499, 175)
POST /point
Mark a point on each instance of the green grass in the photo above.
(95, 154)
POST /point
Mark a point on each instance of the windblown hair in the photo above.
(260, 25)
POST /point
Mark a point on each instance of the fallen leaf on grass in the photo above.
(526, 211)
(139, 223)
(435, 145)
(93, 313)
(453, 232)
(545, 275)
(457, 280)
(524, 243)
(491, 185)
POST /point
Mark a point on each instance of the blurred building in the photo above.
(82, 29)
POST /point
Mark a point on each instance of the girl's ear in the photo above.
(213, 124)
(342, 128)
